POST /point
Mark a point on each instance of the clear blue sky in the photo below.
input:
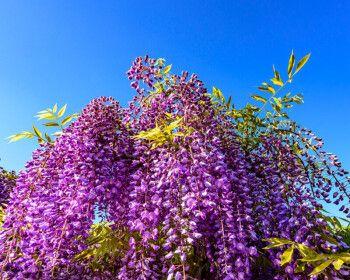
(72, 51)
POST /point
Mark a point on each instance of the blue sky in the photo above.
(72, 51)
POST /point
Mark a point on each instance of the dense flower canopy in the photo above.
(186, 191)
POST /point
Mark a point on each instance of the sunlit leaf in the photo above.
(277, 242)
(302, 62)
(160, 62)
(287, 255)
(54, 109)
(300, 268)
(48, 138)
(278, 102)
(21, 135)
(51, 124)
(338, 264)
(62, 111)
(321, 267)
(37, 132)
(47, 115)
(228, 103)
(167, 69)
(291, 64)
(67, 119)
(218, 94)
(306, 251)
(259, 98)
(277, 82)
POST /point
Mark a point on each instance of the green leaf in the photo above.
(37, 132)
(54, 109)
(19, 136)
(259, 98)
(218, 94)
(67, 119)
(167, 69)
(291, 64)
(300, 268)
(287, 255)
(160, 62)
(277, 242)
(313, 258)
(337, 223)
(46, 114)
(278, 102)
(62, 111)
(173, 125)
(338, 264)
(298, 98)
(48, 138)
(51, 124)
(306, 251)
(302, 62)
(321, 267)
(228, 103)
(277, 82)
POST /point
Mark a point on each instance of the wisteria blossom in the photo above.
(183, 193)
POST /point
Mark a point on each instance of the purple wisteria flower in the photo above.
(188, 198)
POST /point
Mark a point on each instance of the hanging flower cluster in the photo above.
(183, 189)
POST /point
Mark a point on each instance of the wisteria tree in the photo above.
(180, 184)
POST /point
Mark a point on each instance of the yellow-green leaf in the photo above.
(54, 109)
(228, 103)
(51, 124)
(218, 94)
(278, 102)
(300, 268)
(338, 264)
(321, 267)
(62, 111)
(291, 64)
(48, 115)
(313, 258)
(48, 138)
(67, 119)
(160, 61)
(277, 82)
(287, 255)
(19, 136)
(167, 69)
(259, 98)
(37, 132)
(302, 62)
(282, 241)
(271, 89)
(304, 250)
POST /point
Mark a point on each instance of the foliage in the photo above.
(189, 187)
(54, 117)
(105, 246)
(164, 133)
(320, 262)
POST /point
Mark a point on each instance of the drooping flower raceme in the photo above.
(52, 206)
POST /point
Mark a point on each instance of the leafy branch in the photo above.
(164, 133)
(53, 117)
(318, 261)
